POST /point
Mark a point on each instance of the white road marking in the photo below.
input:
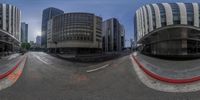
(92, 70)
(41, 59)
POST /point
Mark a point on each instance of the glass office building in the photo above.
(113, 35)
(48, 14)
(24, 32)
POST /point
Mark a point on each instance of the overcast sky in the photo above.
(124, 10)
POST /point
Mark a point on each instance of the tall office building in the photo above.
(113, 35)
(48, 14)
(168, 29)
(38, 40)
(24, 32)
(10, 27)
(122, 33)
(75, 33)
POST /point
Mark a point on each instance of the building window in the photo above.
(176, 13)
(147, 21)
(162, 15)
(190, 13)
(153, 16)
(199, 13)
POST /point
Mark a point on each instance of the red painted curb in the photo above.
(10, 71)
(165, 79)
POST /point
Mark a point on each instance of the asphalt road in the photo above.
(48, 78)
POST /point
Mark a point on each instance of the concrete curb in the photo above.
(11, 70)
(166, 79)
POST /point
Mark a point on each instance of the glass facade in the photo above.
(162, 15)
(113, 34)
(135, 24)
(170, 42)
(24, 32)
(199, 13)
(176, 13)
(135, 27)
(48, 14)
(1, 16)
(190, 13)
(153, 16)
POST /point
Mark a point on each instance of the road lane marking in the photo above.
(41, 60)
(92, 70)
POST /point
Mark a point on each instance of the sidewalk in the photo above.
(12, 70)
(5, 59)
(7, 63)
(169, 70)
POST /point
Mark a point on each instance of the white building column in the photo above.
(145, 19)
(169, 15)
(196, 14)
(183, 13)
(150, 18)
(9, 18)
(139, 24)
(157, 13)
(4, 16)
(14, 20)
(142, 21)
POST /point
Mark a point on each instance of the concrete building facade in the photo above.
(168, 29)
(113, 35)
(24, 32)
(10, 28)
(76, 33)
(48, 14)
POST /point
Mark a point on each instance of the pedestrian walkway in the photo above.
(8, 62)
(169, 70)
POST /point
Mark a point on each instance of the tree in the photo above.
(25, 46)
